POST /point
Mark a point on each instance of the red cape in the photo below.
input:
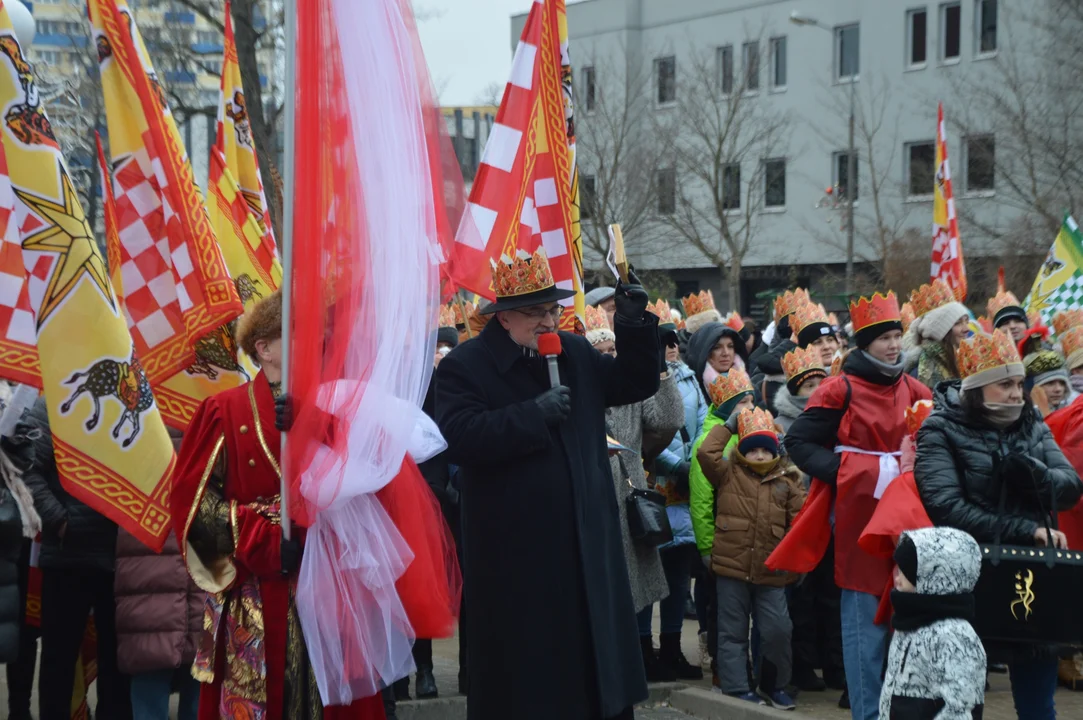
(1067, 427)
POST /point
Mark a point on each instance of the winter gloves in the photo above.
(631, 299)
(555, 404)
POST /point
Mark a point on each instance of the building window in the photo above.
(847, 52)
(731, 186)
(980, 163)
(951, 26)
(842, 176)
(588, 89)
(725, 69)
(666, 188)
(774, 183)
(921, 168)
(917, 30)
(752, 65)
(986, 12)
(587, 197)
(665, 79)
(778, 63)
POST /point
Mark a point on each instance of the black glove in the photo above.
(1025, 477)
(631, 299)
(283, 413)
(290, 553)
(555, 404)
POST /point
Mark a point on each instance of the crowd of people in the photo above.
(772, 454)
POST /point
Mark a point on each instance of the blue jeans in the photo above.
(1033, 684)
(864, 647)
(150, 695)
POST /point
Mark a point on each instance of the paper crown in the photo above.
(660, 309)
(985, 324)
(907, 315)
(787, 302)
(522, 274)
(1071, 344)
(734, 321)
(699, 302)
(986, 352)
(447, 316)
(874, 310)
(457, 312)
(728, 386)
(836, 364)
(917, 415)
(833, 319)
(1067, 319)
(755, 421)
(808, 313)
(1034, 318)
(1004, 298)
(596, 318)
(801, 360)
(930, 296)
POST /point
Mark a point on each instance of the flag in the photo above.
(947, 262)
(111, 447)
(526, 192)
(1059, 284)
(236, 143)
(177, 287)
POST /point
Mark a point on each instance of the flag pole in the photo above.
(285, 236)
(462, 311)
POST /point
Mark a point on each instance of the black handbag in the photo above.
(1029, 595)
(648, 523)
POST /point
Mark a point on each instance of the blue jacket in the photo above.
(679, 451)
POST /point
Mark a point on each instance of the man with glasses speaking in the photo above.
(552, 630)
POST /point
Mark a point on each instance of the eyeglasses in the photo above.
(538, 313)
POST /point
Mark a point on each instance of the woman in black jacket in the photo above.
(985, 444)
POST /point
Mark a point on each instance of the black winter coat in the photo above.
(90, 541)
(769, 365)
(551, 627)
(12, 603)
(955, 472)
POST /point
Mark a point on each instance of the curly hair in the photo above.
(263, 321)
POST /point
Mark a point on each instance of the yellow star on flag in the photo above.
(66, 233)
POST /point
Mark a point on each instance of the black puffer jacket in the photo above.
(90, 540)
(956, 476)
(769, 365)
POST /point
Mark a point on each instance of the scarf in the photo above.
(24, 500)
(914, 611)
(889, 370)
(1002, 415)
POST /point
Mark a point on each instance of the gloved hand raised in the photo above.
(631, 299)
(555, 404)
(731, 421)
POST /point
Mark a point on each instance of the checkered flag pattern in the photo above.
(18, 342)
(1059, 284)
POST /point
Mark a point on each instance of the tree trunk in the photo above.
(263, 132)
(733, 276)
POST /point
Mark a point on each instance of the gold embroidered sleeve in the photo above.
(211, 533)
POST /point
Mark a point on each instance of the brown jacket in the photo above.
(752, 512)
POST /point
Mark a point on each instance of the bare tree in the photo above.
(722, 136)
(616, 154)
(491, 94)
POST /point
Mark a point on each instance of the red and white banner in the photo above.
(947, 260)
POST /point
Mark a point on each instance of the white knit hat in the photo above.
(937, 323)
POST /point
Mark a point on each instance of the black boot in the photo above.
(806, 679)
(844, 701)
(655, 670)
(402, 689)
(835, 679)
(425, 684)
(671, 657)
(389, 703)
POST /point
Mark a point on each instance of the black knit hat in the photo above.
(811, 333)
(447, 336)
(865, 336)
(906, 557)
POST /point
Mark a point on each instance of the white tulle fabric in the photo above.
(357, 633)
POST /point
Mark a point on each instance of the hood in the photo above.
(911, 357)
(949, 561)
(788, 405)
(701, 342)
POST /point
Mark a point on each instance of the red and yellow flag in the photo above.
(176, 283)
(526, 192)
(947, 260)
(111, 447)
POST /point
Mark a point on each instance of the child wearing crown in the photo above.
(757, 496)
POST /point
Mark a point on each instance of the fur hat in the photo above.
(697, 321)
(262, 321)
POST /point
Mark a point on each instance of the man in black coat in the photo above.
(552, 630)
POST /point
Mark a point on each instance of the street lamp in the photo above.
(851, 160)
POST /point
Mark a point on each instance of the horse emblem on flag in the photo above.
(123, 381)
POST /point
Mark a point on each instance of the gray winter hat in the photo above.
(599, 295)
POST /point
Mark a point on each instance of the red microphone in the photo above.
(549, 348)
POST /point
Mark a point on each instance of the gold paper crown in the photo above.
(788, 302)
(522, 275)
(1067, 319)
(1004, 298)
(660, 308)
(457, 312)
(801, 360)
(985, 324)
(728, 386)
(596, 318)
(907, 315)
(880, 308)
(755, 421)
(447, 316)
(1071, 344)
(734, 321)
(699, 302)
(930, 296)
(808, 313)
(1034, 319)
(833, 319)
(986, 352)
(836, 364)
(917, 415)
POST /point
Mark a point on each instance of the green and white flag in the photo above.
(1059, 285)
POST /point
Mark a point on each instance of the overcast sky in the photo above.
(467, 44)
